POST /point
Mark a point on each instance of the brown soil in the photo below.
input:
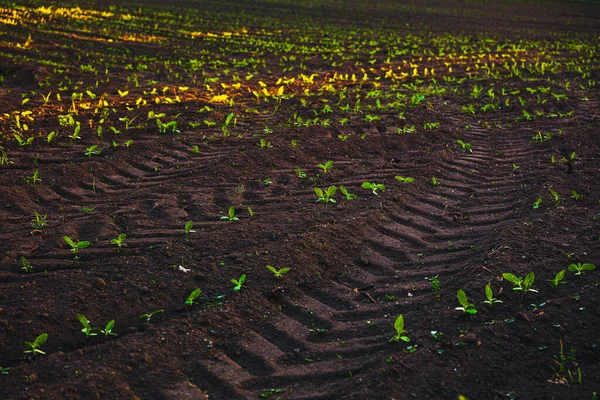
(323, 329)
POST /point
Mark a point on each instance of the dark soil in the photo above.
(322, 330)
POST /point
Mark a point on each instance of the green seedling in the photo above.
(188, 227)
(465, 146)
(300, 174)
(4, 371)
(326, 167)
(326, 195)
(93, 150)
(34, 178)
(520, 284)
(34, 347)
(148, 316)
(119, 240)
(190, 299)
(277, 272)
(576, 195)
(107, 331)
(238, 283)
(374, 187)
(3, 157)
(230, 215)
(349, 196)
(435, 283)
(251, 212)
(489, 294)
(39, 222)
(579, 268)
(515, 166)
(400, 331)
(76, 246)
(536, 204)
(554, 194)
(558, 279)
(403, 179)
(87, 327)
(25, 265)
(434, 181)
(563, 365)
(465, 307)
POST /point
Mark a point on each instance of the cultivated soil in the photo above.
(322, 330)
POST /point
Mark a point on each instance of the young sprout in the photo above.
(230, 215)
(434, 181)
(490, 296)
(34, 347)
(465, 146)
(579, 268)
(576, 195)
(119, 240)
(554, 194)
(190, 299)
(238, 283)
(148, 316)
(400, 331)
(520, 284)
(300, 174)
(188, 227)
(557, 279)
(374, 187)
(76, 246)
(349, 196)
(466, 307)
(107, 331)
(326, 167)
(87, 327)
(405, 180)
(25, 265)
(537, 203)
(39, 222)
(277, 272)
(326, 195)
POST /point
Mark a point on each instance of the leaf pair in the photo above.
(373, 186)
(277, 272)
(326, 195)
(520, 284)
(76, 246)
(466, 307)
(238, 283)
(399, 326)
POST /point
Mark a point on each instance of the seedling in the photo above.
(400, 331)
(76, 246)
(404, 180)
(489, 294)
(374, 187)
(579, 268)
(557, 279)
(520, 284)
(349, 196)
(107, 331)
(576, 195)
(434, 181)
(34, 347)
(300, 174)
(561, 361)
(189, 301)
(230, 215)
(326, 167)
(188, 227)
(119, 240)
(465, 146)
(326, 195)
(554, 194)
(536, 204)
(4, 371)
(277, 272)
(87, 327)
(92, 150)
(34, 178)
(39, 222)
(25, 265)
(148, 316)
(238, 283)
(465, 307)
(435, 283)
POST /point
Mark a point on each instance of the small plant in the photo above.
(238, 283)
(148, 316)
(190, 299)
(404, 180)
(87, 327)
(576, 195)
(465, 307)
(326, 195)
(489, 294)
(230, 215)
(25, 265)
(4, 371)
(434, 181)
(400, 331)
(561, 361)
(374, 187)
(34, 178)
(435, 283)
(188, 227)
(326, 167)
(554, 194)
(34, 347)
(557, 279)
(76, 246)
(277, 272)
(520, 284)
(107, 331)
(92, 150)
(536, 204)
(300, 174)
(579, 268)
(349, 196)
(39, 222)
(465, 146)
(119, 240)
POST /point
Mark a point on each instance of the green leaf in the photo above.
(110, 326)
(84, 321)
(82, 244)
(399, 324)
(193, 296)
(367, 185)
(588, 267)
(69, 241)
(40, 340)
(319, 192)
(511, 278)
(331, 191)
(488, 292)
(272, 269)
(462, 297)
(529, 280)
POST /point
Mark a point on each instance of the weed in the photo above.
(562, 361)
(400, 331)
